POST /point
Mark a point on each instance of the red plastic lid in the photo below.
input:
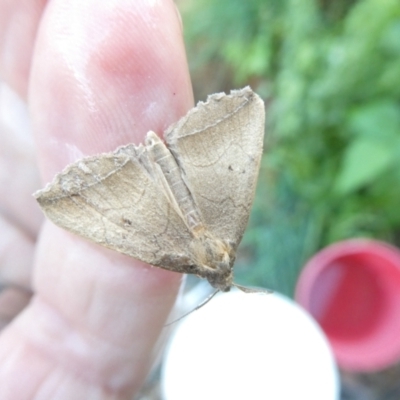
(352, 289)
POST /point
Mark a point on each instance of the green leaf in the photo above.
(364, 160)
(378, 119)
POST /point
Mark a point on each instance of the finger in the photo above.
(19, 176)
(108, 79)
(16, 255)
(13, 299)
(19, 21)
(97, 316)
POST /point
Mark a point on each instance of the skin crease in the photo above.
(94, 75)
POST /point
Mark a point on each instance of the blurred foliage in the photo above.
(329, 72)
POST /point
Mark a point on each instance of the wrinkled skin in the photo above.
(79, 78)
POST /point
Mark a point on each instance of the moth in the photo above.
(182, 205)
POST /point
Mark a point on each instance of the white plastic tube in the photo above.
(249, 346)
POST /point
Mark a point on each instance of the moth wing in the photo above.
(115, 200)
(218, 146)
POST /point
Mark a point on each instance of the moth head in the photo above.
(222, 280)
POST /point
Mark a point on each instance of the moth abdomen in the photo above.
(175, 187)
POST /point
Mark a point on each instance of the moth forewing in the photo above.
(218, 146)
(181, 206)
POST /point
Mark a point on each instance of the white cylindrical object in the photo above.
(249, 346)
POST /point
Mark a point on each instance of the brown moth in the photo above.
(182, 206)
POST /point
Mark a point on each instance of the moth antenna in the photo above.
(194, 309)
(245, 289)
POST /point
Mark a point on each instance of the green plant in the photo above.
(330, 74)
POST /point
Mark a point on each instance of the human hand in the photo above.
(94, 75)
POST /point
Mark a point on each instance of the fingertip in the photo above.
(103, 75)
